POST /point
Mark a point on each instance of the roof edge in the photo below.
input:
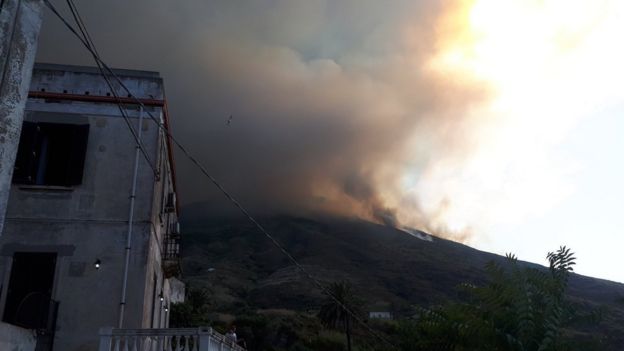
(95, 70)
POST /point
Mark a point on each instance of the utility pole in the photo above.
(20, 23)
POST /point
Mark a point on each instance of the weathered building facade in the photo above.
(87, 214)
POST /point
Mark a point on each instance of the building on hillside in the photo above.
(69, 223)
(380, 310)
(380, 315)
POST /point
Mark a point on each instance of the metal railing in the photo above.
(171, 255)
(175, 339)
(38, 312)
(171, 247)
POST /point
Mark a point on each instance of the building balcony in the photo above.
(181, 339)
(171, 255)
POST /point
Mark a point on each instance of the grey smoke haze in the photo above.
(331, 104)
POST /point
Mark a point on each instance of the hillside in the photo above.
(392, 269)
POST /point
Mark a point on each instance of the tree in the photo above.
(337, 312)
(521, 308)
(193, 312)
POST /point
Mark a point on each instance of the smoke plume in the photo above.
(347, 107)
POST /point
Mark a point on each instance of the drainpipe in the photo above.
(122, 303)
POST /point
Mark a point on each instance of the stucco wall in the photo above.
(13, 338)
(20, 22)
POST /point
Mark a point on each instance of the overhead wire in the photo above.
(139, 146)
(88, 42)
(85, 41)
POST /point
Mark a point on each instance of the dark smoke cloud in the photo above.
(326, 96)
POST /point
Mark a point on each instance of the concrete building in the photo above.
(72, 218)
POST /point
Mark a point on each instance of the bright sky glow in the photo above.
(545, 143)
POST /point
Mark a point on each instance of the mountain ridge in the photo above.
(389, 267)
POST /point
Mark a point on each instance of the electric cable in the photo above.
(87, 41)
(218, 185)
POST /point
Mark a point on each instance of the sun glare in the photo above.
(548, 64)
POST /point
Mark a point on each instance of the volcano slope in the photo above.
(391, 269)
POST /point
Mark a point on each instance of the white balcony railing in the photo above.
(182, 339)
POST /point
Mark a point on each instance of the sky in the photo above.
(491, 122)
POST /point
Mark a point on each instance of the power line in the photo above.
(88, 42)
(199, 165)
(81, 25)
(218, 185)
(139, 147)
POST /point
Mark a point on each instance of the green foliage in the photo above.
(258, 331)
(520, 309)
(336, 312)
(193, 312)
(278, 331)
(333, 313)
(328, 342)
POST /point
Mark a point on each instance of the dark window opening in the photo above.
(171, 203)
(29, 294)
(51, 154)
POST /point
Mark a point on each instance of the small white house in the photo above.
(379, 315)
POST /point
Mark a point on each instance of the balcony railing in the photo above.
(171, 255)
(38, 312)
(171, 248)
(183, 339)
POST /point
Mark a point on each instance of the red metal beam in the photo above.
(171, 159)
(94, 98)
(125, 101)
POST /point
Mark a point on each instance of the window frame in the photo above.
(51, 154)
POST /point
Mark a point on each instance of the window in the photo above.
(170, 206)
(51, 154)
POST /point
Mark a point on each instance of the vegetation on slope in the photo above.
(519, 309)
(247, 282)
